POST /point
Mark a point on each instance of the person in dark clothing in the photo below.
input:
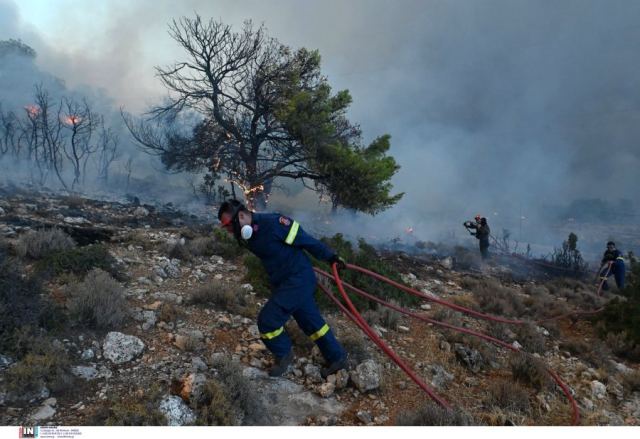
(612, 264)
(482, 233)
(280, 242)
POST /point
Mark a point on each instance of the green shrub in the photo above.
(531, 371)
(44, 365)
(240, 393)
(214, 408)
(367, 257)
(433, 415)
(21, 305)
(224, 297)
(202, 246)
(622, 317)
(530, 339)
(494, 298)
(257, 276)
(80, 261)
(226, 246)
(40, 243)
(98, 302)
(139, 408)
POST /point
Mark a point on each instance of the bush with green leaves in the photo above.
(139, 408)
(98, 301)
(240, 393)
(43, 365)
(569, 257)
(214, 408)
(367, 257)
(40, 243)
(80, 261)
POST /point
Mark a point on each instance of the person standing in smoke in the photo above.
(482, 233)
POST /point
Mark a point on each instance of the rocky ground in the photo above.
(171, 345)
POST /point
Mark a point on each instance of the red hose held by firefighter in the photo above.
(352, 313)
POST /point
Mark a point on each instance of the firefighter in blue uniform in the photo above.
(279, 243)
(612, 264)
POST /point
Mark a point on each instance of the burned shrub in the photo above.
(40, 243)
(508, 396)
(98, 301)
(434, 415)
(531, 371)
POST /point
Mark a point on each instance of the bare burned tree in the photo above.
(9, 132)
(108, 147)
(265, 111)
(81, 121)
(48, 124)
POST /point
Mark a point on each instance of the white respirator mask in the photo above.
(246, 232)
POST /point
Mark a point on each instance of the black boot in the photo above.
(334, 367)
(281, 365)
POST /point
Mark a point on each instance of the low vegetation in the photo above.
(98, 302)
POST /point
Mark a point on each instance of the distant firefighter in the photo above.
(612, 264)
(482, 233)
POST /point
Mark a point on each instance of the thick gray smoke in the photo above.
(506, 108)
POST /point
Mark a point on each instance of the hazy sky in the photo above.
(492, 105)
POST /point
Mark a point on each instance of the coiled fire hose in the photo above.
(355, 316)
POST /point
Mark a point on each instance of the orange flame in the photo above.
(71, 120)
(32, 110)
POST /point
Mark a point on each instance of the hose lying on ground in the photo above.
(355, 316)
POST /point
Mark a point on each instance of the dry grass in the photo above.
(224, 297)
(508, 396)
(40, 243)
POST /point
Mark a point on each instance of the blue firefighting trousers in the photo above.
(295, 297)
(617, 270)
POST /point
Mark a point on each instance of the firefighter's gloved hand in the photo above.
(340, 263)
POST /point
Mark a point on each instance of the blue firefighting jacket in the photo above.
(614, 256)
(279, 242)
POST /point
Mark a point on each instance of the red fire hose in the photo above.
(604, 278)
(353, 314)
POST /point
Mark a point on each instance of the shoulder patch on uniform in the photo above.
(284, 221)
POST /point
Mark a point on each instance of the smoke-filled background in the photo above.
(511, 109)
